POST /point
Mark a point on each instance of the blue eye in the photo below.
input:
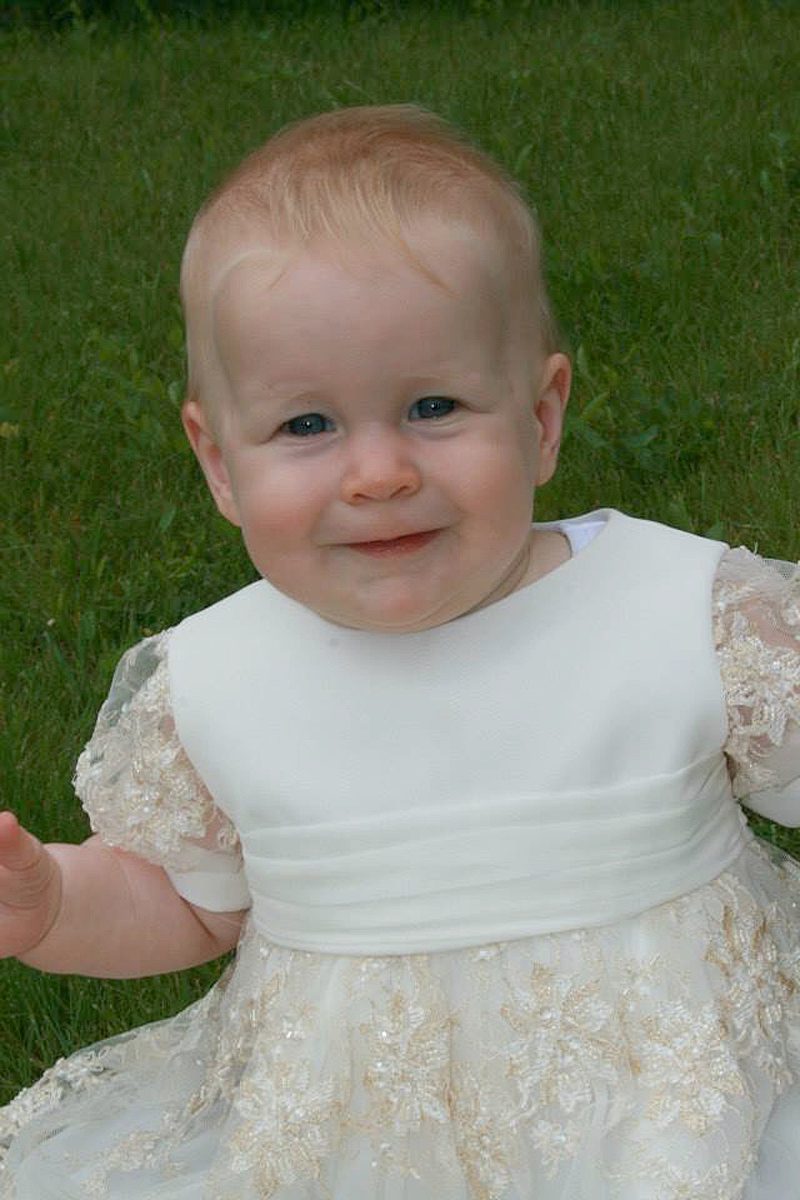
(308, 425)
(431, 407)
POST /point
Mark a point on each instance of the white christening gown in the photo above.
(509, 935)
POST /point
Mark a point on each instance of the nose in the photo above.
(380, 466)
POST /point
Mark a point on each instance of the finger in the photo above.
(19, 850)
(8, 823)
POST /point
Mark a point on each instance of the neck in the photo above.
(544, 550)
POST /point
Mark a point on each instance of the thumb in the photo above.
(19, 850)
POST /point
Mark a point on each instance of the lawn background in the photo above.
(660, 143)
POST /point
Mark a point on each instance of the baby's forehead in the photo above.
(247, 291)
(241, 265)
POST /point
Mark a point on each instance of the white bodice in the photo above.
(398, 794)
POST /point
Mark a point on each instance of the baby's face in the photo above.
(382, 432)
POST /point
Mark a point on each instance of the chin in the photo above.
(400, 614)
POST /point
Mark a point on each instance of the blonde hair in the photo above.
(371, 173)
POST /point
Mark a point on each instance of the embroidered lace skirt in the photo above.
(654, 1059)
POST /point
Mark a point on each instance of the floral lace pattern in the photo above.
(756, 614)
(485, 1074)
(135, 782)
(566, 1038)
(758, 979)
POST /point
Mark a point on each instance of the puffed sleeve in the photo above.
(757, 631)
(142, 794)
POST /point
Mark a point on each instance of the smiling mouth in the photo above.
(398, 545)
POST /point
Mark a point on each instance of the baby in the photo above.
(502, 929)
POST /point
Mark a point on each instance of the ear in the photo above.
(551, 401)
(209, 454)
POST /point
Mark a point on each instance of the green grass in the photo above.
(660, 143)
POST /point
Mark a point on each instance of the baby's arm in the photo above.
(94, 910)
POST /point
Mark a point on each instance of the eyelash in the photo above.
(296, 428)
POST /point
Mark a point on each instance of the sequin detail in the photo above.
(484, 1075)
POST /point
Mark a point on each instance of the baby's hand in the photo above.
(30, 888)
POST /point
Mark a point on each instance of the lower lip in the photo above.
(401, 545)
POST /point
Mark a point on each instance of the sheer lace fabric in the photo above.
(142, 794)
(657, 1058)
(638, 1061)
(757, 628)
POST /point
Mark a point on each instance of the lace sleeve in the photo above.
(142, 794)
(757, 632)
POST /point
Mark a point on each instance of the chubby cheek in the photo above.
(277, 517)
(499, 481)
